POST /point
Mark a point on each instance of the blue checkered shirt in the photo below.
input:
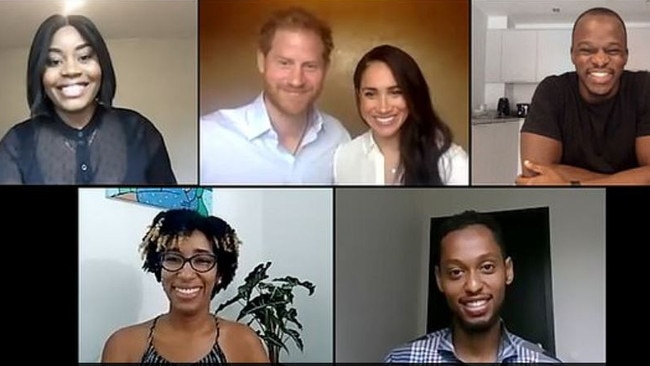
(437, 347)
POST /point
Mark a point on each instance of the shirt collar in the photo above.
(259, 123)
(368, 143)
(507, 347)
(73, 133)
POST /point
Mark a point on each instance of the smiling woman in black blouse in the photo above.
(74, 134)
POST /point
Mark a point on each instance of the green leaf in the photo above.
(292, 316)
(296, 338)
(274, 340)
(293, 282)
(256, 276)
(267, 304)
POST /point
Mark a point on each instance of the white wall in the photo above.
(290, 227)
(377, 271)
(156, 77)
(381, 308)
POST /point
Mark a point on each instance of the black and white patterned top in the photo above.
(215, 356)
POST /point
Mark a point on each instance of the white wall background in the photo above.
(156, 77)
(382, 258)
(377, 251)
(290, 227)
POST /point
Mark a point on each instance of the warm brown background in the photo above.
(434, 32)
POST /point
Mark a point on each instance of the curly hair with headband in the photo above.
(169, 227)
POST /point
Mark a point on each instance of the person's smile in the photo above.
(187, 292)
(475, 306)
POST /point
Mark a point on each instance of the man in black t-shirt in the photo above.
(591, 126)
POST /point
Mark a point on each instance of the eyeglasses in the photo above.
(174, 262)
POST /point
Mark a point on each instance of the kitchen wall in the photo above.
(479, 25)
(520, 93)
(552, 47)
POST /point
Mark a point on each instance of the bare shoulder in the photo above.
(240, 342)
(127, 344)
(229, 328)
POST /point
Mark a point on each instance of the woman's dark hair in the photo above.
(424, 137)
(169, 226)
(39, 103)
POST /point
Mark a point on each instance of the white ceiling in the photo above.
(19, 19)
(633, 12)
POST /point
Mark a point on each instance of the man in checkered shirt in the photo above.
(472, 271)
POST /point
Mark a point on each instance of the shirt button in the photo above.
(84, 167)
(80, 134)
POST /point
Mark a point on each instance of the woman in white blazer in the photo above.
(407, 143)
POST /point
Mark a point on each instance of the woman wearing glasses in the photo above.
(194, 257)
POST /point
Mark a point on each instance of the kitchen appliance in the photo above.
(503, 107)
(522, 109)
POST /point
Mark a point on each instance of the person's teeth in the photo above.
(72, 90)
(477, 303)
(385, 119)
(187, 290)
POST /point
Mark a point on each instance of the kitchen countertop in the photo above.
(488, 119)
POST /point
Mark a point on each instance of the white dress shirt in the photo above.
(240, 146)
(361, 162)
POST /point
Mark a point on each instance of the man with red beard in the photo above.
(472, 271)
(280, 137)
(591, 126)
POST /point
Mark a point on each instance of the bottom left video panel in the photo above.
(205, 274)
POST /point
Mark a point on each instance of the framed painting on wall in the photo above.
(198, 199)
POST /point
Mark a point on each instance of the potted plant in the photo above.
(267, 304)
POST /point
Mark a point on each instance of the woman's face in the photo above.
(189, 288)
(381, 101)
(72, 74)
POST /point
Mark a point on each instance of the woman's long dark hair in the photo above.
(424, 137)
(39, 103)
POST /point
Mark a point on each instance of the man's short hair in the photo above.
(463, 220)
(296, 18)
(600, 11)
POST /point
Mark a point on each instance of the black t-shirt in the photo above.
(597, 137)
(117, 146)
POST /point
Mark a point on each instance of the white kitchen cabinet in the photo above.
(519, 56)
(520, 125)
(638, 43)
(493, 56)
(495, 153)
(553, 52)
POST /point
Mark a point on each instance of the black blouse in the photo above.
(117, 146)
